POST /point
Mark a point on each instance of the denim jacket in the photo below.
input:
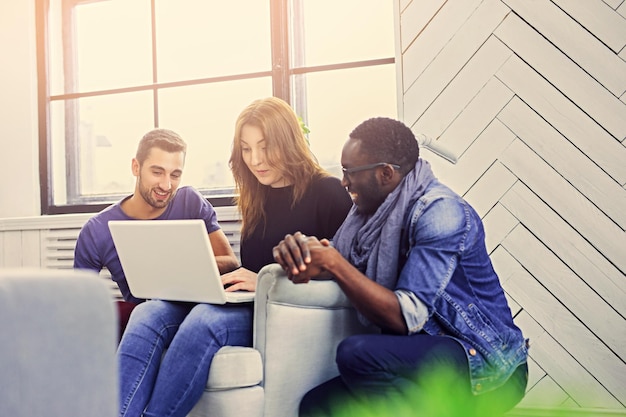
(447, 286)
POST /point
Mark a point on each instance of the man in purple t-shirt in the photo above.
(158, 167)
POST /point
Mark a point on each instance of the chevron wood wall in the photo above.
(529, 97)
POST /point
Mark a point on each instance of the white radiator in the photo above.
(57, 247)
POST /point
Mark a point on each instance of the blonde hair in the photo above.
(287, 150)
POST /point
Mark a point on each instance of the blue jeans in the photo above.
(167, 349)
(409, 372)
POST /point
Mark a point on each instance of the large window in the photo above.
(110, 70)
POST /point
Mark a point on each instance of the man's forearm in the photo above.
(379, 304)
(226, 263)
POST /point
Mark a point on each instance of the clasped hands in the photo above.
(302, 257)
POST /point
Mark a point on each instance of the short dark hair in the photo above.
(164, 139)
(388, 140)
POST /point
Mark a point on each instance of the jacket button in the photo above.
(472, 352)
(478, 387)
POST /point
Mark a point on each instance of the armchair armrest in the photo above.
(297, 328)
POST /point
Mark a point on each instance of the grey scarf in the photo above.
(372, 242)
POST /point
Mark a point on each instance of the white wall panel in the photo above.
(529, 96)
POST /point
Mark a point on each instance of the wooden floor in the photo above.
(529, 97)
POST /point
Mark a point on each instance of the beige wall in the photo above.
(19, 186)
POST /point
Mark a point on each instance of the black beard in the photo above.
(370, 196)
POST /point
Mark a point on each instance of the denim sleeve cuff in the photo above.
(414, 311)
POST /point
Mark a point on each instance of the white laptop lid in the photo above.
(171, 260)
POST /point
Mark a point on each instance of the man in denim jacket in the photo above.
(411, 257)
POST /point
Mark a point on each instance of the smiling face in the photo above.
(254, 153)
(158, 177)
(364, 186)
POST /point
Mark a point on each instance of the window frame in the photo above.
(283, 68)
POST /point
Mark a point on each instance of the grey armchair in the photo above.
(296, 331)
(58, 341)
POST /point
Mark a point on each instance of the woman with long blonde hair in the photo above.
(166, 352)
(280, 185)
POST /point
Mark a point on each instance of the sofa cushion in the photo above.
(235, 367)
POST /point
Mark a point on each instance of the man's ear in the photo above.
(135, 167)
(387, 175)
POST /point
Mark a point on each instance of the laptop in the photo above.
(171, 260)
